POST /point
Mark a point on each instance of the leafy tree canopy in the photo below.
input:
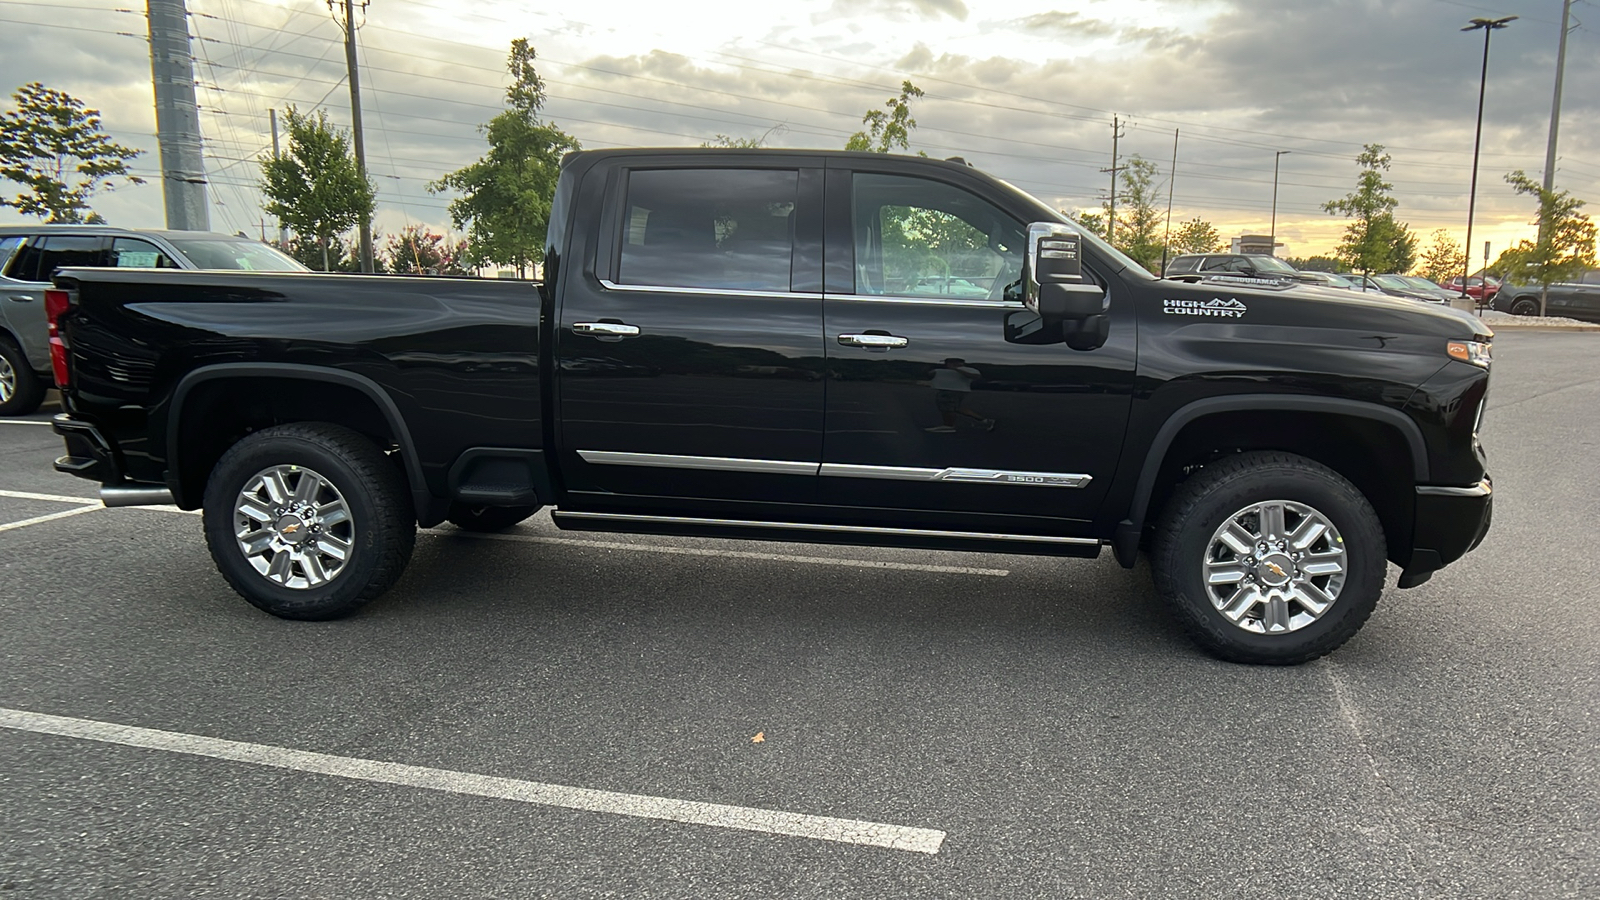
(416, 250)
(1197, 236)
(1374, 241)
(886, 131)
(504, 202)
(1444, 259)
(314, 187)
(55, 148)
(1566, 244)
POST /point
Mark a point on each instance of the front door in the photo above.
(690, 357)
(938, 406)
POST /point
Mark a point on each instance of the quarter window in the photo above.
(128, 253)
(713, 229)
(1591, 277)
(920, 238)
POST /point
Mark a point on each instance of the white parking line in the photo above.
(736, 554)
(744, 818)
(36, 520)
(48, 498)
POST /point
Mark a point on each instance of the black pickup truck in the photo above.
(846, 348)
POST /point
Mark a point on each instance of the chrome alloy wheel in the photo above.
(8, 380)
(294, 527)
(1275, 566)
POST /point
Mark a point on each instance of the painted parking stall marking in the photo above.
(716, 815)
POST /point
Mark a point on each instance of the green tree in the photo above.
(1566, 244)
(54, 147)
(887, 130)
(1444, 259)
(1316, 263)
(1374, 241)
(1197, 236)
(733, 143)
(314, 187)
(505, 196)
(1092, 222)
(1138, 230)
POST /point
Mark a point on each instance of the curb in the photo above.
(1549, 329)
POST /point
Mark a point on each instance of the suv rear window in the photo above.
(43, 256)
(1183, 264)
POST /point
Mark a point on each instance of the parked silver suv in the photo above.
(30, 255)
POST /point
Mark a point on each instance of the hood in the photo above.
(1239, 301)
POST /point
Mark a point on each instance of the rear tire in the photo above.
(21, 391)
(308, 521)
(1257, 604)
(488, 518)
(1525, 306)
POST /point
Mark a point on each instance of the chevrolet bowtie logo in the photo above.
(291, 529)
(1277, 570)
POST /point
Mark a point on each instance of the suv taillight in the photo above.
(56, 304)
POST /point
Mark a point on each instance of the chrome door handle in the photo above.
(22, 298)
(605, 329)
(874, 341)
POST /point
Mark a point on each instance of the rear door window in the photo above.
(132, 253)
(62, 251)
(711, 229)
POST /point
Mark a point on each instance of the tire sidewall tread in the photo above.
(30, 387)
(379, 501)
(1199, 506)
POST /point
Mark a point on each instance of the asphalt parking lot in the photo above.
(989, 726)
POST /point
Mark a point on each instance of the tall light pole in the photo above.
(1489, 27)
(1275, 157)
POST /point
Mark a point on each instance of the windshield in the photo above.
(1338, 280)
(1271, 264)
(1393, 282)
(1420, 282)
(221, 253)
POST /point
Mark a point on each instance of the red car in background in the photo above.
(1474, 288)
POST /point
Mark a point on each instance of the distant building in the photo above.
(1255, 243)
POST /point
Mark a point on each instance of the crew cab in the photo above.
(829, 347)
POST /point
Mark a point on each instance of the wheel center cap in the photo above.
(1275, 570)
(292, 529)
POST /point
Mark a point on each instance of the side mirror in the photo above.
(1054, 285)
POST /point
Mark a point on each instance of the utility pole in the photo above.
(1166, 241)
(1555, 112)
(183, 166)
(283, 230)
(355, 120)
(1111, 220)
(1278, 155)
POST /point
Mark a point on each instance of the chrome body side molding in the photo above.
(956, 475)
(718, 463)
(959, 475)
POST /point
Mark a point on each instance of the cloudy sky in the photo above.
(1025, 89)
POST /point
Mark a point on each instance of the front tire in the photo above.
(1525, 306)
(308, 521)
(1269, 558)
(21, 391)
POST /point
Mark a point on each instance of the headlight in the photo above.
(1475, 352)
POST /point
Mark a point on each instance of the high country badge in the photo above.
(1216, 306)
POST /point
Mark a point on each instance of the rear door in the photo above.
(689, 352)
(27, 276)
(938, 406)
